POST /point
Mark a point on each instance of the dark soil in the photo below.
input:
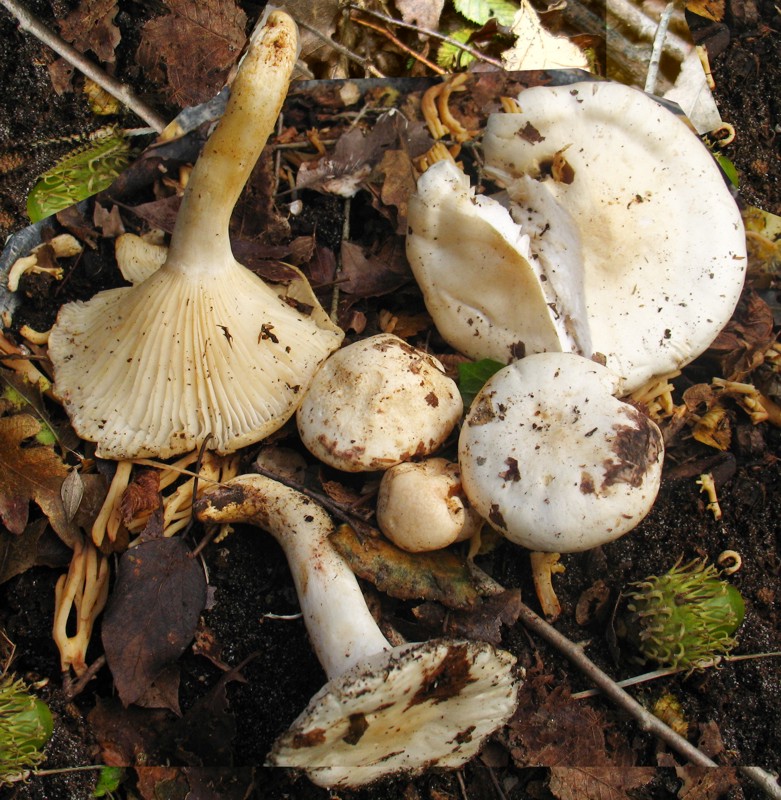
(249, 578)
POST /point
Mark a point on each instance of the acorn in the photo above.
(25, 727)
(683, 619)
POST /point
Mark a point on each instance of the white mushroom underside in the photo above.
(417, 706)
(165, 373)
(663, 243)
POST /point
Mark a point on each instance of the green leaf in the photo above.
(80, 174)
(729, 169)
(451, 57)
(473, 374)
(109, 779)
(480, 11)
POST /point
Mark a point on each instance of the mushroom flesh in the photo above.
(202, 349)
(385, 711)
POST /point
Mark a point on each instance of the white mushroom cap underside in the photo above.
(488, 296)
(155, 368)
(553, 460)
(663, 242)
(378, 402)
(403, 711)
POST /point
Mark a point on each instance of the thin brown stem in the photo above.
(388, 35)
(30, 24)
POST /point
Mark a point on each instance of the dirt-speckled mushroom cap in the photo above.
(553, 460)
(401, 712)
(663, 244)
(376, 403)
(421, 506)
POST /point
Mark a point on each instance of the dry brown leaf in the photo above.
(91, 27)
(197, 43)
(141, 495)
(424, 13)
(28, 473)
(705, 783)
(710, 9)
(597, 783)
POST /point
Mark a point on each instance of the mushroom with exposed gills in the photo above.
(202, 349)
(385, 711)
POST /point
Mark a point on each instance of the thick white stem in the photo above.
(258, 91)
(340, 625)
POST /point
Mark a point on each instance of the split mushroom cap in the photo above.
(553, 460)
(488, 294)
(385, 711)
(617, 236)
(202, 348)
(376, 403)
(421, 506)
(662, 240)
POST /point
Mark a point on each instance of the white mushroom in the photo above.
(376, 403)
(628, 218)
(202, 348)
(553, 460)
(421, 506)
(385, 711)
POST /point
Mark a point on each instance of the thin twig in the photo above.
(656, 52)
(123, 93)
(408, 50)
(360, 60)
(764, 780)
(426, 32)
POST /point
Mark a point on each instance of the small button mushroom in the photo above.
(421, 507)
(553, 460)
(376, 403)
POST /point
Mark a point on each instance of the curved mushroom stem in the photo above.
(340, 625)
(219, 175)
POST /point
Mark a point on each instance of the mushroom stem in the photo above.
(340, 625)
(229, 155)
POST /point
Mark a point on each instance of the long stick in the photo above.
(764, 780)
(29, 24)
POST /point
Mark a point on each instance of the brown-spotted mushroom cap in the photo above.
(385, 711)
(663, 245)
(202, 348)
(376, 403)
(421, 506)
(553, 460)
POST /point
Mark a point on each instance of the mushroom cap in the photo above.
(154, 369)
(489, 296)
(376, 403)
(663, 245)
(553, 460)
(401, 712)
(420, 506)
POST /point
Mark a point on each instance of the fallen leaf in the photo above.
(374, 274)
(710, 9)
(152, 613)
(31, 473)
(91, 27)
(163, 692)
(141, 495)
(597, 783)
(154, 783)
(536, 48)
(197, 43)
(124, 734)
(424, 13)
(442, 576)
(705, 783)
